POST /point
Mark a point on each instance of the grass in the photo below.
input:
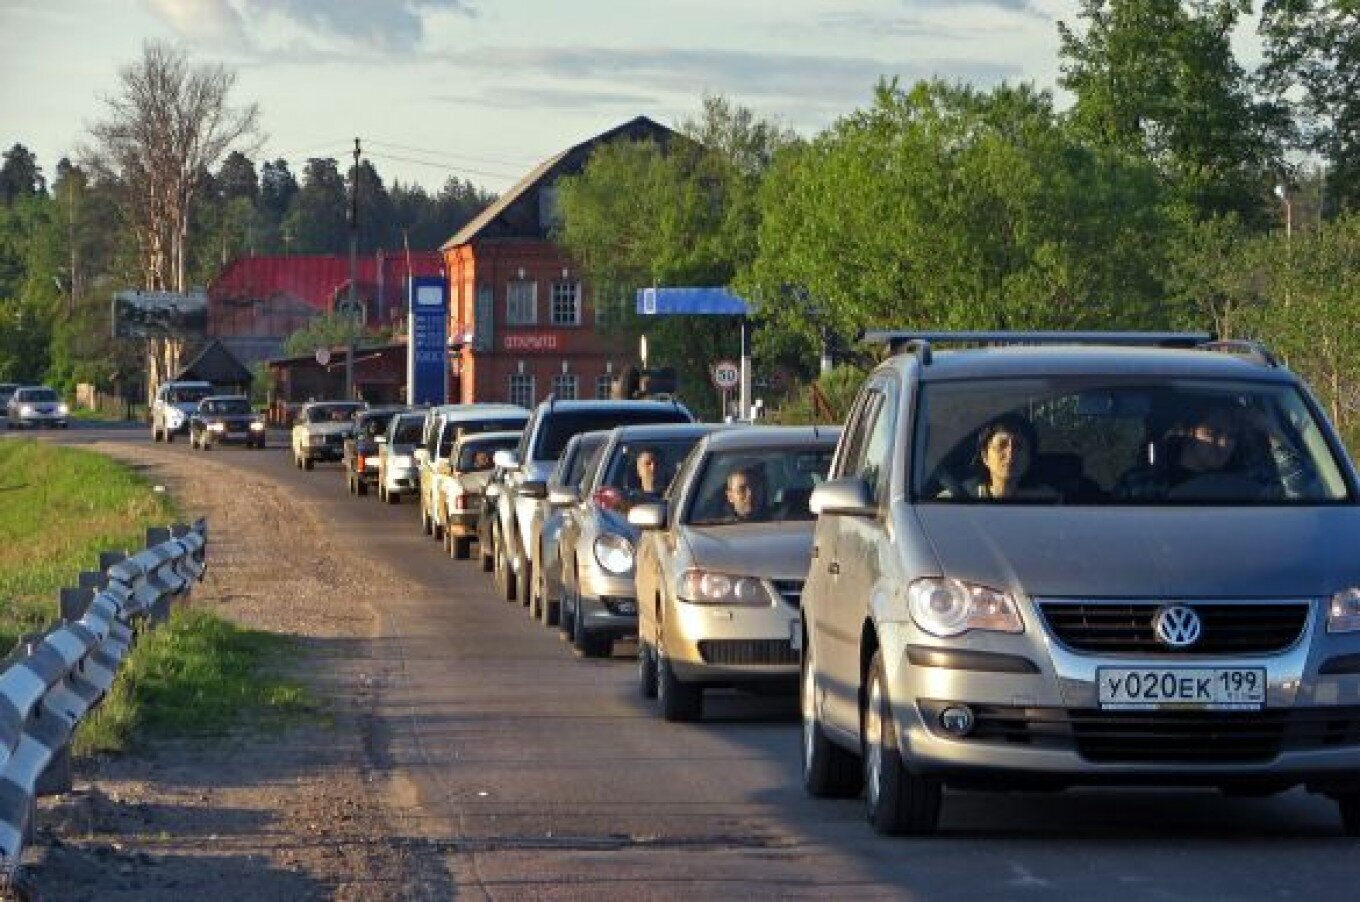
(59, 508)
(196, 675)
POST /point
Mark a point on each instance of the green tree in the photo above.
(1314, 46)
(945, 207)
(317, 217)
(328, 331)
(1158, 79)
(20, 175)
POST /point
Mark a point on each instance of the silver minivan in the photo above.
(1082, 561)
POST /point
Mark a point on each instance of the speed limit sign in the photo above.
(726, 375)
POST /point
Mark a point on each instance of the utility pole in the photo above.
(353, 303)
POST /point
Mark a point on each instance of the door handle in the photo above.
(833, 568)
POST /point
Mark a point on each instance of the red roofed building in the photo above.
(257, 302)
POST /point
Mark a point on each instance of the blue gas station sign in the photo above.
(427, 352)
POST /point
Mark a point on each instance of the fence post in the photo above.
(71, 603)
(108, 558)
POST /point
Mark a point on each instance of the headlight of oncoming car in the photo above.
(25, 410)
(63, 410)
(950, 607)
(1343, 614)
(708, 587)
(614, 553)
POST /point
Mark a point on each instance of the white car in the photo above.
(35, 405)
(175, 403)
(320, 430)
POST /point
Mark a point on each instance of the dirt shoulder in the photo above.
(306, 812)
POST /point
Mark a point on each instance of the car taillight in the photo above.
(362, 462)
(609, 498)
(460, 502)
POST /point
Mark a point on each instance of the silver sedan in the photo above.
(721, 565)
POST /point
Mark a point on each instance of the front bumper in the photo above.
(1038, 720)
(609, 615)
(39, 420)
(730, 644)
(248, 437)
(403, 481)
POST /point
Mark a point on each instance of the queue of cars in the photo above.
(1036, 561)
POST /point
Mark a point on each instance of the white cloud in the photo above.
(208, 22)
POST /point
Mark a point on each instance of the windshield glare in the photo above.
(762, 486)
(1108, 441)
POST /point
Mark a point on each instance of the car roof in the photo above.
(473, 438)
(337, 401)
(661, 431)
(746, 438)
(34, 388)
(1017, 361)
(186, 383)
(226, 398)
(610, 405)
(481, 412)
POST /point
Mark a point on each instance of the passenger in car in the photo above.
(1005, 451)
(648, 485)
(745, 496)
(1204, 456)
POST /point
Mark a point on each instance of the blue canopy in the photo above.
(702, 301)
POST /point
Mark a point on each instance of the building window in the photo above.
(566, 304)
(521, 304)
(604, 387)
(522, 389)
(564, 386)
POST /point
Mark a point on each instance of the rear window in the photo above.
(407, 431)
(559, 428)
(474, 456)
(333, 413)
(227, 406)
(188, 394)
(456, 429)
(375, 424)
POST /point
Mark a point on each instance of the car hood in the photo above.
(769, 550)
(1148, 552)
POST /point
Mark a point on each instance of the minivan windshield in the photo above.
(41, 395)
(342, 412)
(563, 424)
(1122, 441)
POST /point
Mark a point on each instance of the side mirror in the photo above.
(506, 459)
(847, 496)
(563, 496)
(422, 456)
(651, 515)
(533, 488)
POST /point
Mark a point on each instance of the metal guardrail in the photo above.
(54, 679)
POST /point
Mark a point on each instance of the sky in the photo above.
(485, 89)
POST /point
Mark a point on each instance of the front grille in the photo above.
(1163, 737)
(1126, 627)
(791, 590)
(748, 651)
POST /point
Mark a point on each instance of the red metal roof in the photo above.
(320, 280)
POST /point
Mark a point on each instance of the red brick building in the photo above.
(522, 321)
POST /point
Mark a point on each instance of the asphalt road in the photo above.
(545, 775)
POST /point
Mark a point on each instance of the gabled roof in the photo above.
(217, 365)
(319, 279)
(515, 214)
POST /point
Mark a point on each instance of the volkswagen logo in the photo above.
(1177, 626)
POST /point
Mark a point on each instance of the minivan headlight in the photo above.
(1343, 614)
(951, 607)
(614, 553)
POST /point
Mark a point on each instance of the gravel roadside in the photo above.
(306, 813)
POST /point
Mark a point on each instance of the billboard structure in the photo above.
(160, 314)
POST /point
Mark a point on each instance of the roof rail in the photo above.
(919, 343)
(1255, 351)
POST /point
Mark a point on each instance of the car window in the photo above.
(478, 455)
(558, 428)
(332, 413)
(406, 430)
(769, 485)
(875, 462)
(41, 395)
(186, 394)
(663, 458)
(1088, 440)
(227, 406)
(852, 444)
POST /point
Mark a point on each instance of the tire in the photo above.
(647, 677)
(897, 801)
(829, 771)
(360, 486)
(462, 549)
(486, 551)
(679, 702)
(391, 497)
(566, 614)
(505, 577)
(524, 585)
(584, 641)
(307, 462)
(1349, 805)
(169, 436)
(426, 524)
(155, 433)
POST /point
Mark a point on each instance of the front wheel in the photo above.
(829, 771)
(646, 671)
(679, 701)
(1349, 804)
(897, 801)
(307, 462)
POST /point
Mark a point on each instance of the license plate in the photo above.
(1205, 688)
(796, 634)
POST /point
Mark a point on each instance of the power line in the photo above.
(445, 155)
(447, 167)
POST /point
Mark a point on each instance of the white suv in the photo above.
(175, 402)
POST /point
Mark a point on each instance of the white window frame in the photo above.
(604, 387)
(560, 383)
(521, 310)
(516, 387)
(566, 303)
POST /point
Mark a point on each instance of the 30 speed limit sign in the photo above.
(726, 375)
